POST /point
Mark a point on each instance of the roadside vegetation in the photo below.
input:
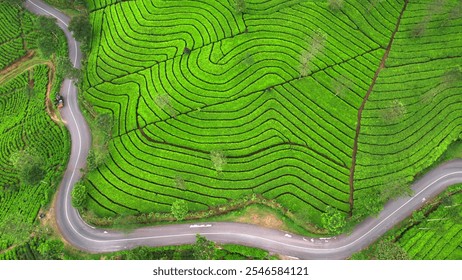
(432, 233)
(51, 248)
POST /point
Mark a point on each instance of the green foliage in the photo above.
(67, 70)
(394, 112)
(66, 4)
(432, 233)
(164, 102)
(15, 230)
(79, 196)
(218, 160)
(369, 204)
(101, 127)
(13, 2)
(335, 5)
(81, 30)
(333, 220)
(240, 6)
(316, 44)
(203, 249)
(238, 91)
(11, 30)
(48, 40)
(29, 166)
(51, 249)
(179, 209)
(387, 250)
(248, 252)
(33, 154)
(180, 183)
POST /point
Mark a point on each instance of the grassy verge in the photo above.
(252, 209)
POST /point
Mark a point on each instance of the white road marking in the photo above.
(199, 226)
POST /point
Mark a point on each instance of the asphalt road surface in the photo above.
(91, 239)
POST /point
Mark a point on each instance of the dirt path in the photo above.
(17, 63)
(363, 104)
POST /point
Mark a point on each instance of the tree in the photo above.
(48, 35)
(341, 85)
(65, 66)
(447, 80)
(218, 160)
(418, 216)
(395, 189)
(30, 166)
(81, 28)
(180, 183)
(249, 60)
(333, 220)
(394, 112)
(79, 196)
(315, 45)
(335, 5)
(452, 76)
(203, 249)
(179, 209)
(420, 28)
(164, 103)
(138, 253)
(51, 249)
(388, 250)
(240, 6)
(368, 204)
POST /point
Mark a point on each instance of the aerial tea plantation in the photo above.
(16, 33)
(32, 154)
(33, 148)
(302, 102)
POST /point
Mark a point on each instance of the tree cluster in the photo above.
(333, 220)
(179, 209)
(372, 200)
(218, 160)
(316, 44)
(29, 165)
(79, 196)
(48, 40)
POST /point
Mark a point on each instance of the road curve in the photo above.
(91, 239)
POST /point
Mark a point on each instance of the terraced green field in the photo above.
(26, 126)
(16, 36)
(33, 149)
(438, 236)
(423, 74)
(278, 89)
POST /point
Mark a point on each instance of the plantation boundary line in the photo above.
(363, 104)
(15, 64)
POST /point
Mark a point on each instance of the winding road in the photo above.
(88, 238)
